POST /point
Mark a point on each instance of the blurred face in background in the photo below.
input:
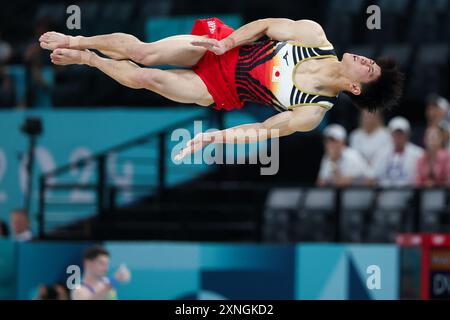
(61, 292)
(55, 292)
(400, 138)
(97, 267)
(433, 139)
(370, 121)
(434, 114)
(333, 148)
(19, 222)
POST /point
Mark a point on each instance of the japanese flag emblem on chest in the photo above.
(276, 74)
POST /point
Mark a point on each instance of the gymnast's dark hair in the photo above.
(93, 252)
(383, 93)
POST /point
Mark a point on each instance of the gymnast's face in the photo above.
(359, 68)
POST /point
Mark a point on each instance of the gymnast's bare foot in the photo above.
(65, 57)
(54, 40)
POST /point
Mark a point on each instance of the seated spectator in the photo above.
(371, 136)
(395, 166)
(341, 166)
(5, 50)
(4, 230)
(20, 224)
(433, 167)
(445, 127)
(54, 292)
(437, 110)
(37, 86)
(63, 293)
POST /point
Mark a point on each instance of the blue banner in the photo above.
(347, 272)
(7, 270)
(224, 271)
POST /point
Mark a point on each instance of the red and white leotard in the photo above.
(265, 74)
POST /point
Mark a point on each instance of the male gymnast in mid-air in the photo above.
(295, 70)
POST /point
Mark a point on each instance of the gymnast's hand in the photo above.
(122, 274)
(200, 141)
(216, 46)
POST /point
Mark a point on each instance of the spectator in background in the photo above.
(36, 83)
(395, 166)
(54, 292)
(445, 127)
(5, 50)
(7, 90)
(371, 136)
(63, 293)
(436, 110)
(37, 86)
(96, 285)
(4, 230)
(341, 166)
(433, 167)
(437, 113)
(20, 224)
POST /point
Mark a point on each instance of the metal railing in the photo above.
(104, 191)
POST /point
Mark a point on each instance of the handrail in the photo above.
(122, 146)
(100, 158)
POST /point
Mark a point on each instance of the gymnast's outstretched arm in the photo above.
(308, 32)
(304, 118)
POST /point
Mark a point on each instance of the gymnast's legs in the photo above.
(179, 85)
(175, 50)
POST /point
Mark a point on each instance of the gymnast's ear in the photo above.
(354, 88)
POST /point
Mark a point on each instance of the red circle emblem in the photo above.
(277, 74)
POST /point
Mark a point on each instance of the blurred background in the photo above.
(84, 160)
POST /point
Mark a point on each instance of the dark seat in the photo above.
(315, 217)
(389, 216)
(432, 208)
(281, 204)
(355, 207)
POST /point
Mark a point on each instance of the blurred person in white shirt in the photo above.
(342, 166)
(20, 225)
(396, 165)
(371, 136)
